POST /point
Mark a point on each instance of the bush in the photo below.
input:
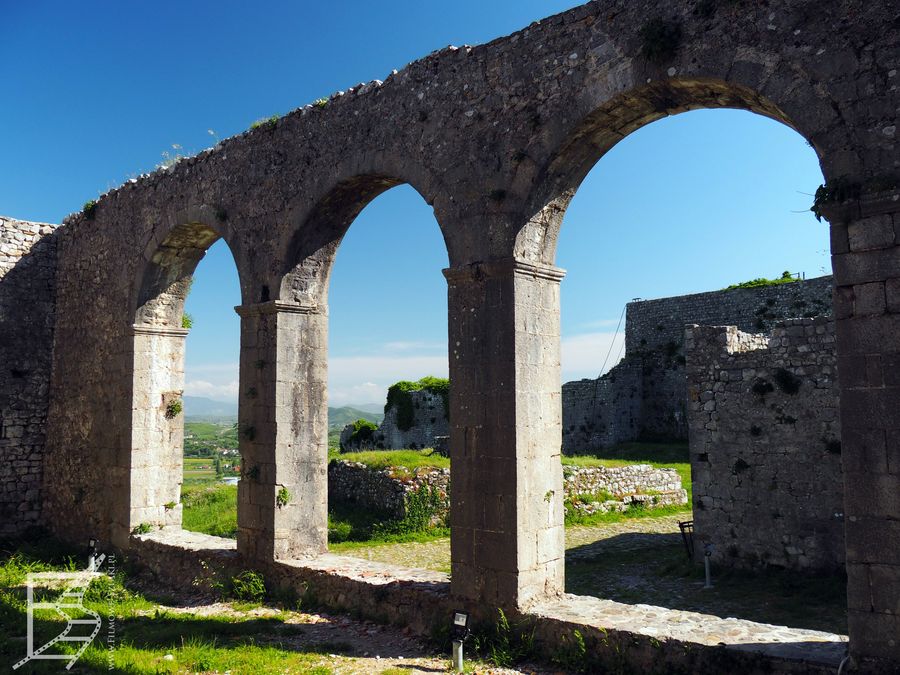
(363, 431)
(249, 586)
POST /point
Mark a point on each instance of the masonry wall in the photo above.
(429, 421)
(643, 397)
(27, 314)
(653, 324)
(587, 490)
(765, 445)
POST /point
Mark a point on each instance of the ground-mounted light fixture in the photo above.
(92, 553)
(459, 631)
(707, 554)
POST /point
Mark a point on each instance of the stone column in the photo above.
(505, 433)
(155, 464)
(865, 248)
(283, 431)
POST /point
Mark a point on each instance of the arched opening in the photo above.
(387, 389)
(377, 313)
(678, 211)
(169, 468)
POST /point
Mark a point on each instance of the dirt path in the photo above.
(348, 646)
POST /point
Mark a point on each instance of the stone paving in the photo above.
(585, 543)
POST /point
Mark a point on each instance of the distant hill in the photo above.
(338, 418)
(202, 407)
(377, 408)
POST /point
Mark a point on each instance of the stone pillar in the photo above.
(506, 507)
(283, 431)
(865, 250)
(155, 466)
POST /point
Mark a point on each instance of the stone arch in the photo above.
(310, 252)
(154, 463)
(289, 347)
(169, 261)
(610, 122)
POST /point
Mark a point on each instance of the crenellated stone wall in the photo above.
(765, 445)
(27, 315)
(643, 397)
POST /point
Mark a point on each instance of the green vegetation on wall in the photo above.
(400, 396)
(363, 430)
(785, 278)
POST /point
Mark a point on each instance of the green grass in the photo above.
(382, 459)
(144, 635)
(211, 509)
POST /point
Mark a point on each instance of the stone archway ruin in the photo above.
(496, 138)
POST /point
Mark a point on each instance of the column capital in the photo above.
(870, 204)
(275, 307)
(503, 268)
(165, 331)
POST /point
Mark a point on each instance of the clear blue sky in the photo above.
(95, 92)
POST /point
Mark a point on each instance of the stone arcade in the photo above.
(497, 139)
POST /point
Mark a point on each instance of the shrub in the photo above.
(363, 430)
(89, 208)
(249, 586)
(187, 321)
(761, 282)
(283, 497)
(173, 409)
(265, 122)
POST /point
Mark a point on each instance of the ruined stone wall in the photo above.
(643, 397)
(602, 412)
(655, 324)
(27, 314)
(586, 489)
(429, 421)
(384, 490)
(765, 445)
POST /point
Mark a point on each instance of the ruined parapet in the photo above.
(417, 426)
(643, 397)
(27, 316)
(600, 489)
(765, 445)
(388, 491)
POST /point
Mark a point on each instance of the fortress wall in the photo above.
(765, 445)
(27, 314)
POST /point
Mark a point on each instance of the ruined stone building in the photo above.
(765, 445)
(644, 397)
(496, 138)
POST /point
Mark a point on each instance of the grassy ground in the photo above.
(151, 636)
(210, 508)
(382, 459)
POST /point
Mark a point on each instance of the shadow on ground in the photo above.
(653, 569)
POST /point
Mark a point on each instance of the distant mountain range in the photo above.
(201, 408)
(338, 418)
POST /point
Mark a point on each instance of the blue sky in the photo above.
(95, 92)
